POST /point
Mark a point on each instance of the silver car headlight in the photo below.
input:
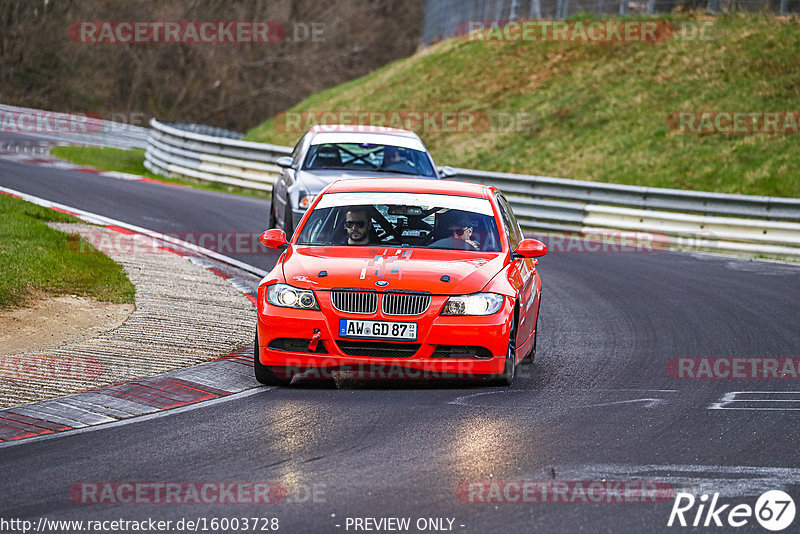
(287, 296)
(306, 200)
(475, 304)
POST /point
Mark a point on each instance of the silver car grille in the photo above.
(405, 303)
(362, 302)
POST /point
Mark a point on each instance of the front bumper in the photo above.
(444, 342)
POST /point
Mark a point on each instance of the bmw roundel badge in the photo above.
(381, 283)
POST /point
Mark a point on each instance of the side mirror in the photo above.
(529, 248)
(274, 238)
(447, 172)
(285, 161)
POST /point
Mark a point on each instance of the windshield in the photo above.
(402, 220)
(368, 157)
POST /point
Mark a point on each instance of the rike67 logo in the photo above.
(774, 511)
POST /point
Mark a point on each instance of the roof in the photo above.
(360, 128)
(411, 185)
(374, 135)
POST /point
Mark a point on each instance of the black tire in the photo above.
(272, 221)
(288, 220)
(266, 374)
(510, 370)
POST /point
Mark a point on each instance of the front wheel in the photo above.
(532, 354)
(268, 375)
(510, 370)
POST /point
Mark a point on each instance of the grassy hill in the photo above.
(599, 111)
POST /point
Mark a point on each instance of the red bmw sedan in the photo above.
(419, 277)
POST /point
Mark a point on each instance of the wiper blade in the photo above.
(394, 171)
(328, 168)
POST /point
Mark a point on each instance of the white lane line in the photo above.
(121, 175)
(100, 219)
(738, 400)
(138, 419)
(760, 409)
(461, 401)
(650, 403)
(626, 389)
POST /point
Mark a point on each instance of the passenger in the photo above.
(462, 229)
(459, 235)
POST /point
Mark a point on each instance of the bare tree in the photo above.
(233, 85)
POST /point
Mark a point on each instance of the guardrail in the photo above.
(755, 225)
(178, 153)
(63, 127)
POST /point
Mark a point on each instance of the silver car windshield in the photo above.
(368, 157)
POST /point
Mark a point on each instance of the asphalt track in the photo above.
(597, 405)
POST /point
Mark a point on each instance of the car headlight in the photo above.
(476, 304)
(306, 200)
(291, 297)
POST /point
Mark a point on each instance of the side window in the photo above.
(510, 224)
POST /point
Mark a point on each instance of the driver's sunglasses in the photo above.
(460, 231)
(357, 224)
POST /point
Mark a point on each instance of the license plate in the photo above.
(377, 329)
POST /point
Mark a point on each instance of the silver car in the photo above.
(333, 152)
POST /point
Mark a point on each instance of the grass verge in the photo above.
(33, 256)
(132, 162)
(599, 110)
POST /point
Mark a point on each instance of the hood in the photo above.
(314, 181)
(403, 268)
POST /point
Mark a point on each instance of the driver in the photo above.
(394, 159)
(358, 224)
